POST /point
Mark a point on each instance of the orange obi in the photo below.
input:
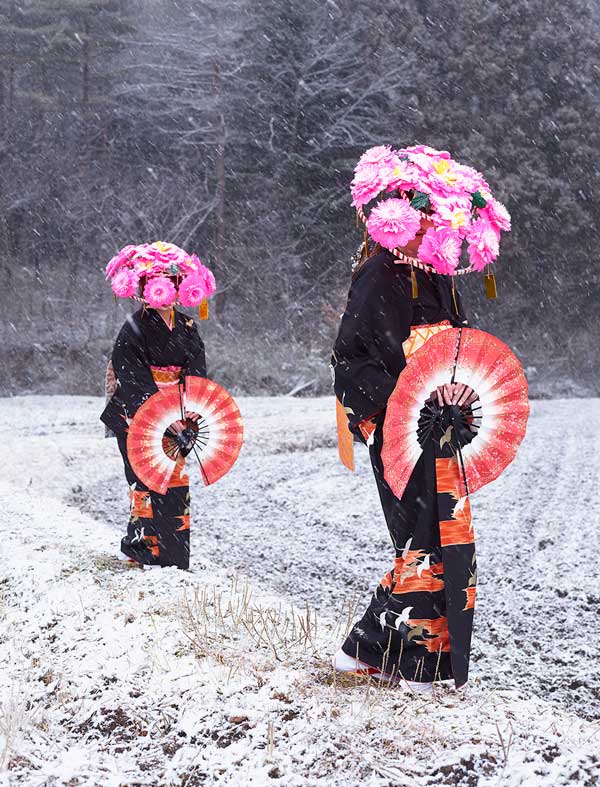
(164, 376)
(419, 334)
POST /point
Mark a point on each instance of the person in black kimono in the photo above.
(392, 309)
(153, 349)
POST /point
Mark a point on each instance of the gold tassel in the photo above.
(203, 310)
(172, 316)
(413, 281)
(491, 291)
(366, 243)
(356, 220)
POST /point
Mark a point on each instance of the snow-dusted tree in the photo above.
(232, 126)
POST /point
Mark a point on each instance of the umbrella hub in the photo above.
(448, 425)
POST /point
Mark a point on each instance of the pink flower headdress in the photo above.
(400, 187)
(393, 223)
(160, 275)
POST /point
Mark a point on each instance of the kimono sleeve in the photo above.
(367, 355)
(130, 364)
(196, 353)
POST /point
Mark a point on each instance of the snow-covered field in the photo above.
(115, 676)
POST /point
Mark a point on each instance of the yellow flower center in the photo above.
(442, 167)
(459, 219)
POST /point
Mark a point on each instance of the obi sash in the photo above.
(165, 376)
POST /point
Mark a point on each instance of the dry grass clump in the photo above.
(214, 615)
(13, 712)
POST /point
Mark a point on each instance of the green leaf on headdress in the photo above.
(174, 269)
(420, 201)
(478, 200)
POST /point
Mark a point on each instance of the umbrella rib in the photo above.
(201, 465)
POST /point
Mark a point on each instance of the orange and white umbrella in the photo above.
(214, 434)
(487, 365)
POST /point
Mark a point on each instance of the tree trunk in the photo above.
(85, 68)
(220, 188)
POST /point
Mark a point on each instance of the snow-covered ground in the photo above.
(217, 676)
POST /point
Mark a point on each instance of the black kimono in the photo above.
(418, 624)
(148, 355)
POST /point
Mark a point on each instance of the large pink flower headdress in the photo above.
(400, 187)
(160, 275)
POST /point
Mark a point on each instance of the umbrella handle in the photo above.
(456, 352)
(464, 472)
(181, 391)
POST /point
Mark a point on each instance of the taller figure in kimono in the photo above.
(156, 348)
(419, 207)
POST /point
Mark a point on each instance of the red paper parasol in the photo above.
(481, 361)
(214, 439)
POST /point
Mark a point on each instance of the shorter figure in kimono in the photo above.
(156, 348)
(419, 206)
